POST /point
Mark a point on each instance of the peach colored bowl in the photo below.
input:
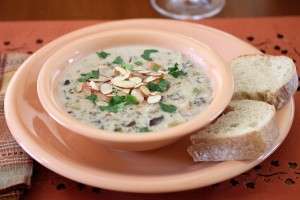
(216, 68)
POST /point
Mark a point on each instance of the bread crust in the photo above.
(278, 97)
(252, 144)
(285, 93)
(242, 147)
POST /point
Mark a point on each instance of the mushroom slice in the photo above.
(154, 99)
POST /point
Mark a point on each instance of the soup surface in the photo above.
(135, 89)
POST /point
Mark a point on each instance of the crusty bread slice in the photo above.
(245, 130)
(272, 79)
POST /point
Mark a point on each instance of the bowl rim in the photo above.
(214, 109)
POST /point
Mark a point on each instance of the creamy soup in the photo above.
(135, 89)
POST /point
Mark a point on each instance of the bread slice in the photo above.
(272, 79)
(245, 130)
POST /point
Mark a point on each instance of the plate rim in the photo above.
(178, 182)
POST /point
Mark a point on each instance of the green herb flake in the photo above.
(146, 54)
(92, 98)
(131, 100)
(93, 74)
(115, 90)
(118, 60)
(127, 66)
(112, 108)
(138, 63)
(196, 91)
(118, 102)
(102, 54)
(155, 68)
(144, 130)
(175, 72)
(168, 108)
(160, 87)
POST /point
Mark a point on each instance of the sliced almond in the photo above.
(136, 80)
(120, 78)
(144, 71)
(101, 79)
(94, 85)
(154, 99)
(79, 87)
(136, 74)
(138, 95)
(86, 89)
(106, 88)
(124, 84)
(121, 70)
(110, 95)
(121, 93)
(149, 79)
(156, 74)
(140, 68)
(127, 91)
(154, 93)
(140, 84)
(101, 103)
(145, 91)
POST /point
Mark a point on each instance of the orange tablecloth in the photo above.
(275, 178)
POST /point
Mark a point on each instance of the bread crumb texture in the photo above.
(246, 130)
(272, 79)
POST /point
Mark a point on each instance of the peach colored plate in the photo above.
(164, 170)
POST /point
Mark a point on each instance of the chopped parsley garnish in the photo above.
(138, 63)
(127, 66)
(175, 72)
(144, 130)
(115, 90)
(160, 87)
(146, 54)
(92, 98)
(118, 60)
(168, 108)
(155, 67)
(131, 100)
(118, 102)
(102, 54)
(87, 76)
(196, 91)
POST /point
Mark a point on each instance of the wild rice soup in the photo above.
(135, 89)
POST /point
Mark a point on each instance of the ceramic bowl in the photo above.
(218, 71)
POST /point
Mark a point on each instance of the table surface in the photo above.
(275, 178)
(124, 9)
